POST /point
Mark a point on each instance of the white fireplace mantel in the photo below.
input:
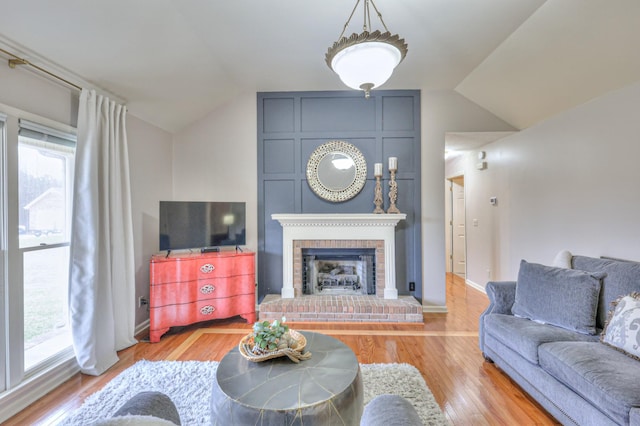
(366, 226)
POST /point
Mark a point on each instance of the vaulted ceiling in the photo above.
(174, 61)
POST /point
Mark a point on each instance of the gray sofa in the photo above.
(544, 332)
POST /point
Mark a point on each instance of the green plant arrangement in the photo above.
(271, 336)
(273, 340)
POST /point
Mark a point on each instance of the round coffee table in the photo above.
(323, 390)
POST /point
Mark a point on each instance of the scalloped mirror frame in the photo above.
(349, 189)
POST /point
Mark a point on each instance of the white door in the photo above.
(458, 250)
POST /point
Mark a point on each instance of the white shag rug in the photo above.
(188, 384)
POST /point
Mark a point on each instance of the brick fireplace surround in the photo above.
(331, 231)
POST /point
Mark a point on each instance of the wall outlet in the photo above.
(142, 301)
(412, 286)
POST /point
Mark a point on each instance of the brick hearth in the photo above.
(341, 309)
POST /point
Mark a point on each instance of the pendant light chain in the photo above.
(346, 24)
(367, 16)
(379, 16)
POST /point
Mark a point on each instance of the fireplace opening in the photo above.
(339, 271)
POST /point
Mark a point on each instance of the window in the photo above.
(45, 178)
(36, 177)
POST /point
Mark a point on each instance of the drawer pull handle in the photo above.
(207, 268)
(207, 310)
(207, 289)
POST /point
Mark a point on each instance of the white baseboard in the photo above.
(29, 391)
(142, 327)
(435, 309)
(476, 286)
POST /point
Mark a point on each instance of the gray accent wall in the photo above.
(290, 127)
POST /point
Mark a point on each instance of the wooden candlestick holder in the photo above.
(377, 199)
(393, 193)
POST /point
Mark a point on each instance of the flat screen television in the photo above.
(201, 224)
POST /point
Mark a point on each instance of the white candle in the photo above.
(377, 169)
(393, 163)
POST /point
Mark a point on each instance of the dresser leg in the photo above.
(154, 335)
(251, 317)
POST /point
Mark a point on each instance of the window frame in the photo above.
(12, 353)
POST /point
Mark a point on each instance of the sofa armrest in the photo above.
(502, 295)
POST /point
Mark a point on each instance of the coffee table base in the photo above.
(342, 409)
(324, 390)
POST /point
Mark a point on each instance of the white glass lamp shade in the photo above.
(368, 63)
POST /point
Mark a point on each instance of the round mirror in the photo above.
(336, 171)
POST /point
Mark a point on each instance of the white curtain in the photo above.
(102, 276)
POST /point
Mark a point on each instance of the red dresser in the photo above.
(193, 287)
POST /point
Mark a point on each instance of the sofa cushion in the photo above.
(523, 336)
(563, 297)
(622, 330)
(623, 277)
(603, 376)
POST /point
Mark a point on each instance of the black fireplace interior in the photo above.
(339, 271)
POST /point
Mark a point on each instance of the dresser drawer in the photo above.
(202, 310)
(197, 268)
(209, 288)
(223, 267)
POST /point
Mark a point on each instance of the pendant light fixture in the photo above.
(365, 61)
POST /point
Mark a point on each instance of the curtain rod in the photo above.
(20, 61)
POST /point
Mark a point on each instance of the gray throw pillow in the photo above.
(566, 298)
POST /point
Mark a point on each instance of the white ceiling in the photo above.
(568, 52)
(174, 61)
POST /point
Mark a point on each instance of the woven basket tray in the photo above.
(294, 353)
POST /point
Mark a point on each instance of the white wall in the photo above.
(38, 95)
(442, 111)
(215, 159)
(570, 182)
(151, 173)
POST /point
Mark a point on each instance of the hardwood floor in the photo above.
(444, 349)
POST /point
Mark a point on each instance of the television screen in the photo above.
(201, 224)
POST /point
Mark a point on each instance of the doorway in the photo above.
(457, 227)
